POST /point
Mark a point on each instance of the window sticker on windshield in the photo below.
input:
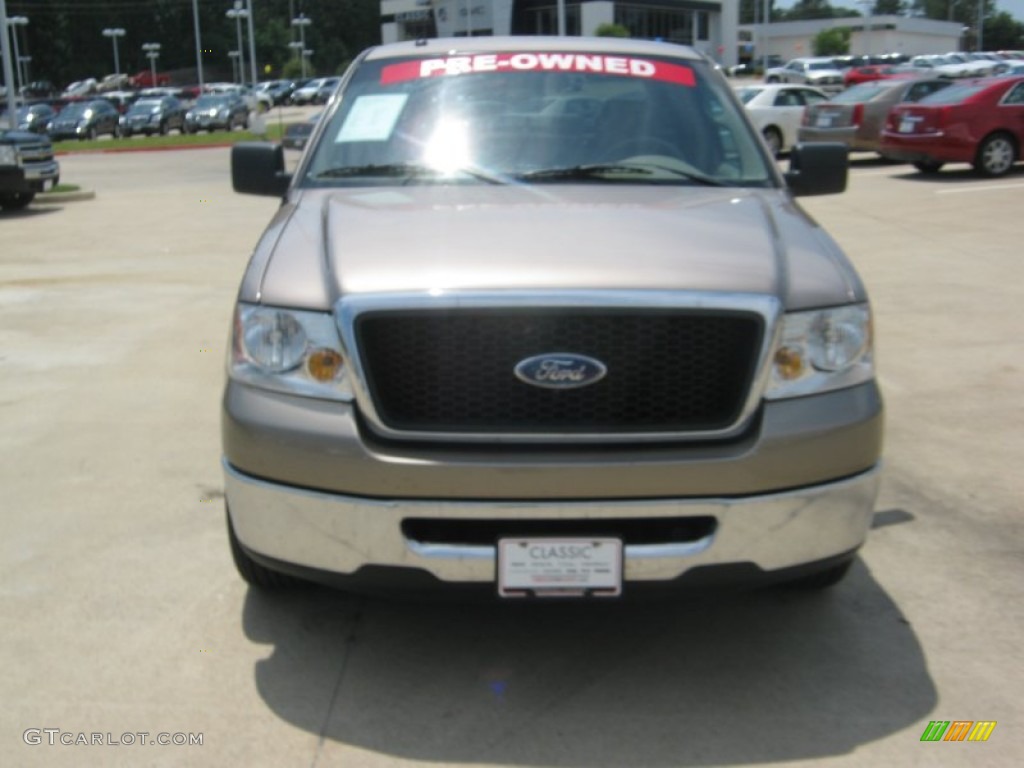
(372, 118)
(582, 63)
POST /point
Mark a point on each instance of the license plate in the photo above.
(563, 567)
(906, 126)
(824, 121)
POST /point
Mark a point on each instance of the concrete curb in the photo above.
(56, 198)
(166, 148)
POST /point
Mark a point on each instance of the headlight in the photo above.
(288, 351)
(9, 155)
(822, 350)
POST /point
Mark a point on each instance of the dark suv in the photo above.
(27, 166)
(151, 116)
(85, 120)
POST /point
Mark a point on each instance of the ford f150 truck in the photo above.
(543, 317)
(27, 166)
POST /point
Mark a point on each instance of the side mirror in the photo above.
(257, 168)
(818, 168)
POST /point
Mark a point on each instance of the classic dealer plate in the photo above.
(559, 567)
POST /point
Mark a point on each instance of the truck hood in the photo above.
(325, 244)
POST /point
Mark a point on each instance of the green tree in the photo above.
(292, 69)
(832, 42)
(611, 30)
(1004, 33)
(813, 9)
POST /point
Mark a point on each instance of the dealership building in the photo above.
(711, 27)
(704, 25)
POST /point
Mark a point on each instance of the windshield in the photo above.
(746, 95)
(955, 94)
(857, 94)
(75, 110)
(821, 65)
(144, 107)
(208, 102)
(538, 117)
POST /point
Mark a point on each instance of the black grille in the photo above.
(453, 370)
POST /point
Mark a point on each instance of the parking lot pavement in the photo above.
(122, 612)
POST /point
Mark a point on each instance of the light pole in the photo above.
(153, 53)
(12, 22)
(766, 19)
(234, 65)
(113, 33)
(199, 45)
(5, 62)
(252, 46)
(981, 27)
(238, 13)
(301, 21)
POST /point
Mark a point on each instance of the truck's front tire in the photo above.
(252, 572)
(16, 201)
(823, 579)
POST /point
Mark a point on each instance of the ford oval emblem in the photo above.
(562, 370)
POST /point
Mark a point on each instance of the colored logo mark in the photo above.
(958, 730)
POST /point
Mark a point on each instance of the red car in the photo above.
(144, 79)
(975, 121)
(856, 75)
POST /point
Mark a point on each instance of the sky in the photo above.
(1013, 7)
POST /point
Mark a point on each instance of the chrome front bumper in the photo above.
(40, 176)
(340, 534)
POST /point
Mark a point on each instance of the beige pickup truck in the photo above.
(541, 318)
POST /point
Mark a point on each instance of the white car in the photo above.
(970, 65)
(817, 72)
(81, 87)
(776, 111)
(112, 83)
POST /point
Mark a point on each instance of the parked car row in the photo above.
(820, 72)
(857, 115)
(980, 122)
(927, 121)
(823, 71)
(316, 91)
(151, 115)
